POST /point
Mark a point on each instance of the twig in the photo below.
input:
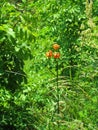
(16, 73)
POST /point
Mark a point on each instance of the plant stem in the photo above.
(58, 110)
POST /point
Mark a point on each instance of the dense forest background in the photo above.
(29, 97)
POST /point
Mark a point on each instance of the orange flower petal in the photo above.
(56, 46)
(49, 54)
(56, 55)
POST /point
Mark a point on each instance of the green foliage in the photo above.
(28, 84)
(15, 42)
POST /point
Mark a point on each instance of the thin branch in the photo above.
(16, 73)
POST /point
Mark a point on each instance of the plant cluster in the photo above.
(55, 54)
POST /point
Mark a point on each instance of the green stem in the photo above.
(70, 73)
(58, 111)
